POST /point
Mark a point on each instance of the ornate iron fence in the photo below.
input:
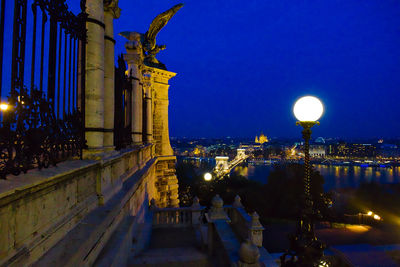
(41, 94)
(123, 106)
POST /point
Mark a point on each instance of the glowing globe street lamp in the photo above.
(305, 249)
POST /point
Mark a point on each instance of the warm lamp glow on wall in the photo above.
(3, 107)
(308, 108)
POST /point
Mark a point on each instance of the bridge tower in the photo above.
(241, 153)
(222, 163)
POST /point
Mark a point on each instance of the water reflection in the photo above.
(335, 176)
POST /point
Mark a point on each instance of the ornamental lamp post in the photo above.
(305, 249)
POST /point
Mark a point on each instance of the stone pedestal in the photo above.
(111, 12)
(94, 88)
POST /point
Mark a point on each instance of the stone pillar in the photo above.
(166, 181)
(94, 87)
(196, 212)
(256, 230)
(159, 79)
(237, 203)
(147, 109)
(111, 12)
(134, 58)
(216, 211)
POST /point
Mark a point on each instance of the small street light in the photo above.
(305, 249)
(377, 217)
(207, 176)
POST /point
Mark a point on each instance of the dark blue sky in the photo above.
(242, 64)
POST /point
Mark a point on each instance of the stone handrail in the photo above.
(240, 221)
(235, 237)
(177, 217)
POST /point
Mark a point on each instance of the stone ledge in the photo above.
(17, 186)
(35, 180)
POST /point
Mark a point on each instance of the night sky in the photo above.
(242, 64)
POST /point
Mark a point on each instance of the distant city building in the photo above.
(317, 151)
(352, 150)
(320, 140)
(389, 151)
(261, 139)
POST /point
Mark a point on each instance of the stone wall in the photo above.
(38, 209)
(166, 182)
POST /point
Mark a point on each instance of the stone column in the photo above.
(166, 181)
(94, 87)
(111, 12)
(159, 79)
(134, 58)
(148, 114)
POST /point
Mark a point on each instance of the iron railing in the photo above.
(123, 106)
(41, 120)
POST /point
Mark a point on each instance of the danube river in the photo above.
(335, 176)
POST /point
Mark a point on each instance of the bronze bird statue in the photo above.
(148, 40)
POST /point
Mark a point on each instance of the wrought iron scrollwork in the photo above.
(32, 131)
(31, 136)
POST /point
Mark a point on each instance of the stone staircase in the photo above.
(170, 257)
(173, 247)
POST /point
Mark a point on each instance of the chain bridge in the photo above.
(224, 167)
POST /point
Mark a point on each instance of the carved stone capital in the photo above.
(111, 6)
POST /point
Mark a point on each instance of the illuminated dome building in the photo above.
(261, 139)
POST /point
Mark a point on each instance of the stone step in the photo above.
(171, 257)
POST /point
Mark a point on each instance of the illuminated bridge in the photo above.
(224, 167)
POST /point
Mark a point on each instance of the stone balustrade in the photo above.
(38, 209)
(235, 237)
(176, 217)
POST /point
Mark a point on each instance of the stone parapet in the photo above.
(39, 208)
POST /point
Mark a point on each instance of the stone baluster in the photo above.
(196, 211)
(111, 12)
(94, 87)
(256, 230)
(153, 205)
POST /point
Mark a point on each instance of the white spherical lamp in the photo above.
(207, 176)
(308, 108)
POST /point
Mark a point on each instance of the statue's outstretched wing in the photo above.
(158, 23)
